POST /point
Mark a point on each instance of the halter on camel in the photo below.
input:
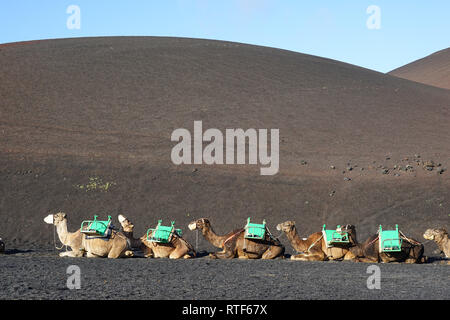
(54, 240)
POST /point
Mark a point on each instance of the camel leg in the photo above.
(129, 254)
(273, 252)
(178, 253)
(350, 256)
(91, 255)
(367, 260)
(147, 251)
(313, 255)
(72, 254)
(118, 252)
(228, 254)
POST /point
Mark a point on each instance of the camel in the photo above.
(2, 246)
(314, 248)
(440, 236)
(369, 251)
(234, 244)
(115, 247)
(177, 248)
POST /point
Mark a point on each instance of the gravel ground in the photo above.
(43, 275)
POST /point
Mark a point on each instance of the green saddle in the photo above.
(333, 237)
(95, 227)
(162, 234)
(254, 230)
(389, 240)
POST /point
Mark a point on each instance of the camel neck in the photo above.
(61, 229)
(296, 242)
(212, 237)
(130, 236)
(442, 242)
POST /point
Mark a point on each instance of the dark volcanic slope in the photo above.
(104, 108)
(433, 70)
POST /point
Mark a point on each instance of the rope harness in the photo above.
(54, 240)
(314, 243)
(196, 240)
(231, 237)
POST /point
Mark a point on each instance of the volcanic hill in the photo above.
(433, 70)
(86, 124)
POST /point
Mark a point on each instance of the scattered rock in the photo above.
(333, 167)
(303, 162)
(349, 168)
(428, 165)
(332, 193)
(385, 171)
(347, 179)
(441, 170)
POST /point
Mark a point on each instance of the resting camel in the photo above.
(177, 248)
(440, 236)
(314, 248)
(235, 245)
(2, 246)
(369, 251)
(115, 247)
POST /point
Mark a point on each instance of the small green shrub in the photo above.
(96, 184)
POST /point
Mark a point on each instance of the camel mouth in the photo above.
(192, 226)
(49, 219)
(428, 237)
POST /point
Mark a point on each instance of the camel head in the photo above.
(286, 227)
(126, 224)
(435, 234)
(56, 218)
(199, 224)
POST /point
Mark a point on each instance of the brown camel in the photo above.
(234, 244)
(115, 247)
(369, 251)
(440, 236)
(177, 248)
(314, 248)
